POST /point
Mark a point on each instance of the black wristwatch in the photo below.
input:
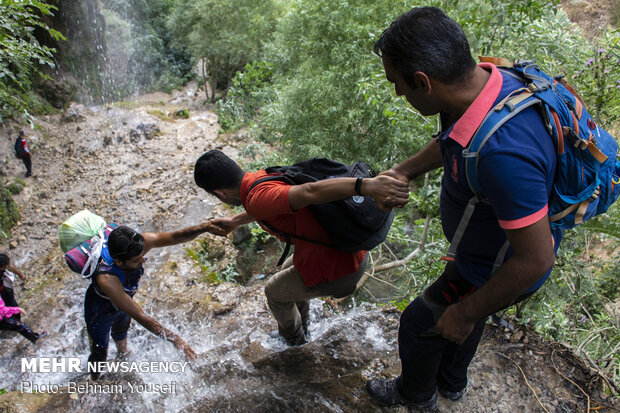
(358, 186)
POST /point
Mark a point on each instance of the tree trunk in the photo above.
(213, 84)
(228, 74)
(204, 76)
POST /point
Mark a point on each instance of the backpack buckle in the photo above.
(468, 154)
(535, 87)
(523, 62)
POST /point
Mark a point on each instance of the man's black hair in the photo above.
(4, 260)
(124, 243)
(215, 170)
(425, 39)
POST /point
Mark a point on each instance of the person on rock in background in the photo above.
(7, 278)
(23, 152)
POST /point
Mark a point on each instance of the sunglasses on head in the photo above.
(134, 238)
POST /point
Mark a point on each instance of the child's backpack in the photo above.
(587, 178)
(353, 224)
(82, 237)
(19, 149)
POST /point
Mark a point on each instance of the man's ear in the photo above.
(219, 193)
(422, 81)
(118, 262)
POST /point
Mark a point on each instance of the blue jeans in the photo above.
(102, 317)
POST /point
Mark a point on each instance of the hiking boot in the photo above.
(294, 341)
(453, 395)
(385, 393)
(28, 174)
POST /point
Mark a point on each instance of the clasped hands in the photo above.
(396, 190)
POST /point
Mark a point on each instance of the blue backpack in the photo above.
(587, 179)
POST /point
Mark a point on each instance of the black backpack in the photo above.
(353, 224)
(19, 149)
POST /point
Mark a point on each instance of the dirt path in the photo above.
(129, 162)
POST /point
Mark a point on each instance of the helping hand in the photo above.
(222, 226)
(454, 326)
(388, 191)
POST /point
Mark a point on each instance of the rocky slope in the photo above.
(133, 163)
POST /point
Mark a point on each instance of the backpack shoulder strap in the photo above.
(282, 178)
(273, 229)
(505, 110)
(509, 107)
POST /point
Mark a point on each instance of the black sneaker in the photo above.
(453, 395)
(36, 336)
(385, 393)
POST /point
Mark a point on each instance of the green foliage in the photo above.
(15, 187)
(204, 258)
(600, 77)
(138, 42)
(331, 98)
(226, 35)
(249, 92)
(9, 213)
(328, 95)
(576, 305)
(21, 55)
(182, 113)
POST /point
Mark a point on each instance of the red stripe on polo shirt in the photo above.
(525, 221)
(467, 125)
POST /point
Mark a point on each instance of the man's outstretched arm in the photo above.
(381, 188)
(164, 239)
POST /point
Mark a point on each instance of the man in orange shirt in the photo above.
(314, 270)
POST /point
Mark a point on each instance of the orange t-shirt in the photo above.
(316, 263)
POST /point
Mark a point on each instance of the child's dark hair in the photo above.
(4, 260)
(124, 243)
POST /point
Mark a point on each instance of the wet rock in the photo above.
(59, 94)
(75, 113)
(517, 336)
(149, 130)
(241, 234)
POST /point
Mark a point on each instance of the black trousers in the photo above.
(27, 163)
(429, 360)
(12, 324)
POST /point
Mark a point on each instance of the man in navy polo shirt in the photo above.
(427, 57)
